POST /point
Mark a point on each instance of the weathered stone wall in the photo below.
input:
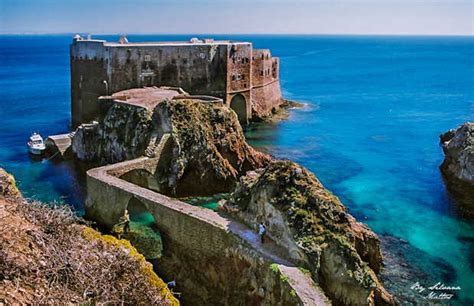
(239, 67)
(89, 63)
(266, 93)
(266, 99)
(264, 67)
(199, 69)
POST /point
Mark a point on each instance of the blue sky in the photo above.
(432, 17)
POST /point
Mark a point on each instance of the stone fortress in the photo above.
(246, 79)
(162, 121)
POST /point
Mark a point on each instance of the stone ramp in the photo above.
(308, 291)
(59, 144)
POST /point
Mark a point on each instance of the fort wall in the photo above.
(266, 98)
(199, 69)
(89, 63)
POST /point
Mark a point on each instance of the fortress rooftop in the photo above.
(149, 97)
(123, 42)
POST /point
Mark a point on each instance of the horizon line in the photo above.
(269, 34)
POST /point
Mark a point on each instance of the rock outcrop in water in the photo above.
(206, 154)
(313, 225)
(458, 164)
(47, 257)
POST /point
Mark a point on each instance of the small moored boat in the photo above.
(36, 145)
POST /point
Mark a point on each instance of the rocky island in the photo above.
(458, 164)
(150, 145)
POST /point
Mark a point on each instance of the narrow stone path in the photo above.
(309, 292)
(269, 249)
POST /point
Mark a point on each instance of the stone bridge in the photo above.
(214, 259)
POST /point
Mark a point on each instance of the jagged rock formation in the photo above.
(123, 134)
(208, 151)
(313, 225)
(46, 257)
(458, 164)
(277, 113)
(458, 148)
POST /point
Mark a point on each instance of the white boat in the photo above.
(36, 145)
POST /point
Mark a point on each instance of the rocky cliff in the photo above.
(47, 257)
(123, 134)
(458, 164)
(313, 225)
(206, 154)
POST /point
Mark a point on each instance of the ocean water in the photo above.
(375, 107)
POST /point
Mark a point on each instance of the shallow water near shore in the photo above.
(375, 107)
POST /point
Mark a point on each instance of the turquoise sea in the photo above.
(375, 107)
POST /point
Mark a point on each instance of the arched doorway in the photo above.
(239, 105)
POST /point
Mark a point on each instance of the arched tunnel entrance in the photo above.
(143, 232)
(239, 105)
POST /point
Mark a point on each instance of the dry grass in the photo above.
(47, 257)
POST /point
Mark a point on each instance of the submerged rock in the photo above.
(458, 164)
(277, 113)
(313, 225)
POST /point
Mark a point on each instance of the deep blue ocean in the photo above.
(375, 107)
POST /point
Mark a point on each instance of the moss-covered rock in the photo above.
(206, 154)
(315, 228)
(209, 151)
(8, 186)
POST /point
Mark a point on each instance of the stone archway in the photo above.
(239, 106)
(143, 232)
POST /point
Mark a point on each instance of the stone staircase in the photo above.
(155, 146)
(152, 145)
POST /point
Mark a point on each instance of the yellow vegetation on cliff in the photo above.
(47, 257)
(145, 267)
